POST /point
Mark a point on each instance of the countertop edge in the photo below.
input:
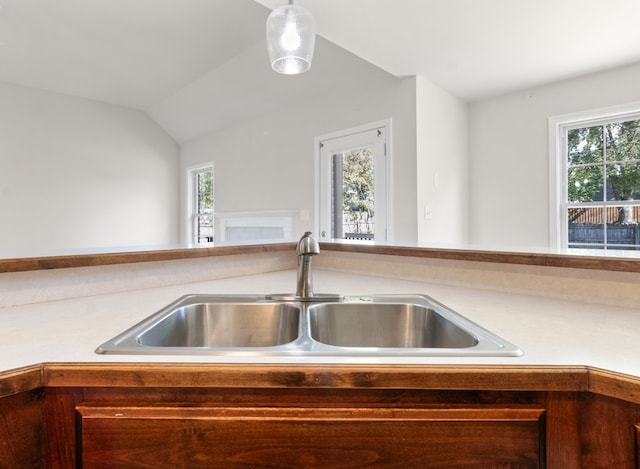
(425, 377)
(25, 264)
(620, 264)
(462, 377)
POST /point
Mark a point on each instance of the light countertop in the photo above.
(550, 332)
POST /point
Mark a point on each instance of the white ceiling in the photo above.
(173, 58)
(480, 48)
(133, 53)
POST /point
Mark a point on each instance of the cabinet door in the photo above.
(238, 437)
(22, 431)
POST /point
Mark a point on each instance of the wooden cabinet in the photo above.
(637, 434)
(138, 427)
(586, 430)
(606, 429)
(163, 416)
(22, 431)
(283, 437)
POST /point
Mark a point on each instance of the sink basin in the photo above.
(385, 325)
(371, 325)
(197, 324)
(225, 325)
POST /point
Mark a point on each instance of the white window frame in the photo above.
(190, 198)
(558, 128)
(382, 182)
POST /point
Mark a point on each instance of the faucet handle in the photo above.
(308, 245)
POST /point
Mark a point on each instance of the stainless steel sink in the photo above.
(378, 325)
(389, 325)
(225, 325)
(201, 324)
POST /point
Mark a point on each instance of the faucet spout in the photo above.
(308, 247)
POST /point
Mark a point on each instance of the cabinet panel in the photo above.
(563, 435)
(22, 431)
(607, 436)
(195, 437)
(637, 445)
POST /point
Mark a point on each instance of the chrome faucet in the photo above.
(308, 247)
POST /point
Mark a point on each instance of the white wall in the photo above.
(78, 175)
(442, 161)
(509, 155)
(268, 163)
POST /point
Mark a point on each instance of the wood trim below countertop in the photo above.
(501, 257)
(522, 258)
(425, 377)
(92, 260)
(20, 380)
(514, 378)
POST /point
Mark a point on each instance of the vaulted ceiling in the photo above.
(197, 65)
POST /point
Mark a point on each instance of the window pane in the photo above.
(358, 194)
(204, 229)
(623, 231)
(585, 183)
(623, 181)
(623, 141)
(603, 166)
(203, 218)
(353, 194)
(585, 145)
(586, 227)
(204, 182)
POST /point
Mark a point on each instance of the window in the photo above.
(600, 173)
(352, 196)
(200, 223)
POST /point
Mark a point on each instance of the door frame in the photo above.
(386, 177)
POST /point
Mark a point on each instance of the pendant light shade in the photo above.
(291, 37)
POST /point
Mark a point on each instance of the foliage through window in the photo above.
(357, 192)
(203, 226)
(603, 185)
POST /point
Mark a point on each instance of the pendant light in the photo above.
(291, 37)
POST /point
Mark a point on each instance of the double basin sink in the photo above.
(372, 325)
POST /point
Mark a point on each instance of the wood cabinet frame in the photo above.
(587, 417)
